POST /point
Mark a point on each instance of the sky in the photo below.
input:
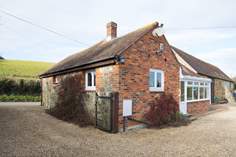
(203, 28)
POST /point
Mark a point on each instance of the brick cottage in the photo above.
(138, 66)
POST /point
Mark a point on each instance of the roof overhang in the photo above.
(105, 62)
(194, 78)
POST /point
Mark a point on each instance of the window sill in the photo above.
(198, 100)
(90, 89)
(156, 89)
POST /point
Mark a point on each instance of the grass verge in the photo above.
(19, 98)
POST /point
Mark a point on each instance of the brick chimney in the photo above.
(111, 30)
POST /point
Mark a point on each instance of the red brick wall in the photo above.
(134, 74)
(107, 79)
(197, 107)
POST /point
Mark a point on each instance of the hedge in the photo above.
(19, 87)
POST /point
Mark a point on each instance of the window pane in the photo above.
(190, 83)
(151, 79)
(206, 92)
(189, 93)
(89, 79)
(182, 90)
(158, 76)
(202, 93)
(195, 93)
(202, 84)
(94, 80)
(196, 83)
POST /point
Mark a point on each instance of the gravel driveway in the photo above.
(25, 130)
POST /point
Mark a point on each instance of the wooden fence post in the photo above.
(115, 110)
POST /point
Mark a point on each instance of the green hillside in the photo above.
(22, 69)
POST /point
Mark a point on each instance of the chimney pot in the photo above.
(111, 30)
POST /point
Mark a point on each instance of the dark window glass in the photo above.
(158, 79)
(206, 92)
(151, 79)
(89, 79)
(189, 93)
(195, 93)
(202, 93)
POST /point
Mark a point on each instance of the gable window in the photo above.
(156, 80)
(90, 80)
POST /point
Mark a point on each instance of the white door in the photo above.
(183, 103)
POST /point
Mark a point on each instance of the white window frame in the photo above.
(206, 85)
(93, 87)
(155, 88)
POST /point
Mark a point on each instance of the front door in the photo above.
(183, 103)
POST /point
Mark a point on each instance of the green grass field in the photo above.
(22, 69)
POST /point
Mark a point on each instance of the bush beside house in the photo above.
(163, 110)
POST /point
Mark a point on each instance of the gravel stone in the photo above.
(26, 130)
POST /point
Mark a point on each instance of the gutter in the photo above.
(217, 78)
(104, 62)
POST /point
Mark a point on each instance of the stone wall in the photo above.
(134, 74)
(197, 107)
(219, 90)
(223, 90)
(49, 93)
(71, 89)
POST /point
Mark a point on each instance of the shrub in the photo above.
(163, 109)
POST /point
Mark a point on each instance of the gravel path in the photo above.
(25, 130)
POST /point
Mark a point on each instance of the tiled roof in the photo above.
(105, 50)
(100, 51)
(202, 67)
